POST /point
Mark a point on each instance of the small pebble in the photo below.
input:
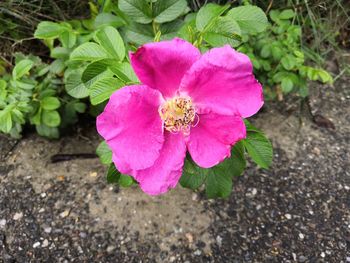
(17, 216)
(301, 236)
(197, 252)
(219, 240)
(36, 244)
(93, 174)
(45, 243)
(189, 237)
(47, 230)
(2, 223)
(254, 191)
(64, 214)
(110, 249)
(288, 216)
(323, 254)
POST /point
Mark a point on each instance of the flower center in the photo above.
(178, 115)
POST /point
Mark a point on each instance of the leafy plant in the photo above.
(94, 62)
(278, 57)
(31, 94)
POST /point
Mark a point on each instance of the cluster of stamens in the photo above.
(178, 115)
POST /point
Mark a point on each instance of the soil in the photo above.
(297, 211)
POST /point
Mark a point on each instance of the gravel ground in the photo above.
(298, 211)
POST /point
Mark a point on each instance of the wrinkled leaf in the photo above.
(22, 68)
(251, 19)
(110, 39)
(102, 89)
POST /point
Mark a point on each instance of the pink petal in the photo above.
(222, 81)
(167, 169)
(132, 127)
(210, 142)
(161, 65)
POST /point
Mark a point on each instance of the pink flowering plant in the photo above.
(170, 91)
(184, 122)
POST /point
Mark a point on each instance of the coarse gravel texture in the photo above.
(297, 211)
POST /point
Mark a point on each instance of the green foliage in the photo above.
(32, 95)
(278, 58)
(218, 179)
(216, 25)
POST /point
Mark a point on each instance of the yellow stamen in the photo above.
(178, 114)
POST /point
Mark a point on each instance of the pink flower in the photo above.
(187, 101)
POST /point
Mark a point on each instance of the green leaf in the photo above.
(89, 52)
(22, 68)
(3, 91)
(57, 67)
(288, 62)
(5, 121)
(324, 76)
(274, 15)
(75, 87)
(48, 30)
(125, 180)
(68, 39)
(219, 178)
(193, 176)
(108, 19)
(80, 107)
(49, 132)
(168, 10)
(125, 72)
(104, 153)
(287, 85)
(259, 148)
(36, 119)
(251, 19)
(207, 14)
(113, 174)
(170, 30)
(102, 89)
(17, 116)
(223, 31)
(60, 52)
(286, 14)
(237, 162)
(51, 118)
(139, 34)
(95, 71)
(110, 39)
(138, 10)
(265, 52)
(218, 184)
(50, 103)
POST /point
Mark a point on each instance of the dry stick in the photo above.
(269, 7)
(21, 40)
(68, 157)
